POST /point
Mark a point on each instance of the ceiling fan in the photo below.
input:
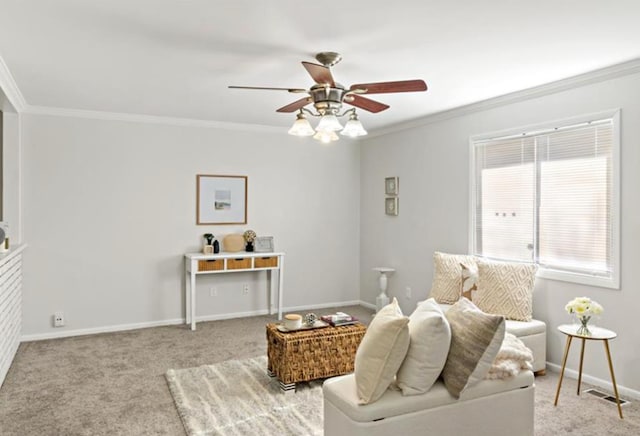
(328, 96)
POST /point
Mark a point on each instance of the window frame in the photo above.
(612, 282)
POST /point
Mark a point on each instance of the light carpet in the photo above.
(237, 397)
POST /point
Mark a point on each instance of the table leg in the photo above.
(564, 363)
(613, 377)
(287, 387)
(580, 367)
(280, 286)
(187, 297)
(193, 301)
(270, 278)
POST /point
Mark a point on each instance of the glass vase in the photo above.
(583, 330)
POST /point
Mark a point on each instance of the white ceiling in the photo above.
(176, 58)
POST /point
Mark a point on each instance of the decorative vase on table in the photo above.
(583, 330)
(249, 237)
(583, 308)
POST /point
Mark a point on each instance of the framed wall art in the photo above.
(221, 199)
(391, 206)
(391, 185)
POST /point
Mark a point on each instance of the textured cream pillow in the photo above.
(506, 288)
(475, 341)
(469, 279)
(447, 276)
(430, 338)
(381, 352)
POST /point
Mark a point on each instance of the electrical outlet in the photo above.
(245, 289)
(407, 292)
(213, 291)
(58, 319)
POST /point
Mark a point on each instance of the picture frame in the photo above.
(221, 199)
(391, 206)
(263, 244)
(391, 185)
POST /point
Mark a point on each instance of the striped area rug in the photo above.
(237, 397)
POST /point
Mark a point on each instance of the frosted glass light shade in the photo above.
(353, 128)
(301, 127)
(329, 123)
(326, 137)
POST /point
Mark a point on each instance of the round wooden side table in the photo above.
(597, 334)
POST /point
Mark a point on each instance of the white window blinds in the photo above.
(546, 197)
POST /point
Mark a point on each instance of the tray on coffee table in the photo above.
(316, 325)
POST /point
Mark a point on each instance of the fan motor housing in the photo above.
(327, 99)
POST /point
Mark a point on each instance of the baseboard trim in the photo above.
(167, 322)
(605, 384)
(367, 305)
(97, 330)
(222, 316)
(322, 306)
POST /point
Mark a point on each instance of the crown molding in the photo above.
(10, 88)
(596, 76)
(149, 119)
(7, 83)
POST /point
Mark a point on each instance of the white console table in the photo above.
(243, 261)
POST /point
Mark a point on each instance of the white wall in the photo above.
(109, 211)
(11, 175)
(432, 162)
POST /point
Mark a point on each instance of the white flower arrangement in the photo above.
(249, 235)
(583, 307)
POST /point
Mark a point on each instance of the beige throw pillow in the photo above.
(381, 352)
(447, 276)
(475, 341)
(428, 348)
(506, 288)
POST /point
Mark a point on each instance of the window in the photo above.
(550, 196)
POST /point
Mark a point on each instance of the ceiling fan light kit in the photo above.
(329, 123)
(301, 126)
(354, 127)
(328, 96)
(326, 136)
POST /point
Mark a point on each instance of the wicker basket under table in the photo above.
(312, 354)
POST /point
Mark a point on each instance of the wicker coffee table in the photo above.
(311, 354)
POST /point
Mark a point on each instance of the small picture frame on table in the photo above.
(391, 185)
(263, 244)
(391, 206)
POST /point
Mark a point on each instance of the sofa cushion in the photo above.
(525, 328)
(517, 328)
(430, 336)
(475, 340)
(506, 288)
(341, 392)
(381, 352)
(447, 276)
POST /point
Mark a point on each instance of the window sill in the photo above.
(612, 282)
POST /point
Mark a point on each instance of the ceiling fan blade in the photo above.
(389, 87)
(319, 73)
(298, 104)
(365, 103)
(269, 89)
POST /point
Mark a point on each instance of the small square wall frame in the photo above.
(391, 206)
(391, 185)
(221, 199)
